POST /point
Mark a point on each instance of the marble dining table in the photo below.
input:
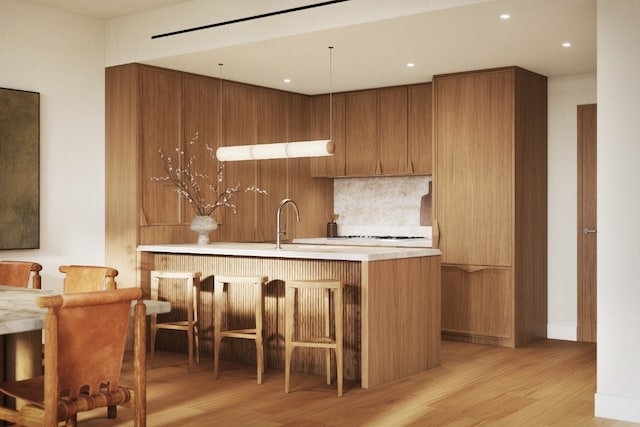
(21, 325)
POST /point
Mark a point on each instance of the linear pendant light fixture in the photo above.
(282, 150)
(278, 150)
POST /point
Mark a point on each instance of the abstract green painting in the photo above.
(19, 169)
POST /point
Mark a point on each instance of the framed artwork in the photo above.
(19, 169)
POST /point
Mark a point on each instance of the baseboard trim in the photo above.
(562, 332)
(617, 408)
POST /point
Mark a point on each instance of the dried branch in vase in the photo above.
(195, 186)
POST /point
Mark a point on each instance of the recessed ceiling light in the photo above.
(505, 16)
(287, 80)
(566, 44)
(411, 64)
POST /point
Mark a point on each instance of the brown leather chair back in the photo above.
(17, 273)
(86, 278)
(85, 334)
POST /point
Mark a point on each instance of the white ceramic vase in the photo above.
(203, 225)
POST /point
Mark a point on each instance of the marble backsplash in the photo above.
(380, 205)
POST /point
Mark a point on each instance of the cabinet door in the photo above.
(477, 306)
(201, 121)
(334, 129)
(239, 125)
(473, 176)
(273, 114)
(392, 131)
(362, 130)
(160, 118)
(419, 129)
(314, 196)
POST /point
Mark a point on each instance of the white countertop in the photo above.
(366, 241)
(294, 251)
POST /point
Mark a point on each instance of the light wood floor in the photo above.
(550, 383)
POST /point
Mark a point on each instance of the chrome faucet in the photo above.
(280, 232)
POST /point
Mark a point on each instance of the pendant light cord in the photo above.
(331, 93)
(220, 105)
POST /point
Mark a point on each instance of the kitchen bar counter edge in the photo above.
(294, 251)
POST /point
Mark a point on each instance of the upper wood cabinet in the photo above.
(392, 131)
(272, 175)
(474, 120)
(161, 115)
(334, 129)
(419, 129)
(384, 131)
(362, 133)
(240, 127)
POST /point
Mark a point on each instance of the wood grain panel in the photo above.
(314, 196)
(478, 304)
(419, 129)
(161, 117)
(272, 174)
(392, 131)
(362, 144)
(473, 196)
(122, 206)
(548, 383)
(530, 184)
(200, 116)
(400, 302)
(239, 118)
(334, 129)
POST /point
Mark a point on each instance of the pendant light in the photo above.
(283, 150)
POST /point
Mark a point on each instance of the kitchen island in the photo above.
(391, 302)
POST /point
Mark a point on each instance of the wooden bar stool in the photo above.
(255, 334)
(191, 325)
(334, 287)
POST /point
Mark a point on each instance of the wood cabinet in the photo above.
(490, 207)
(419, 129)
(150, 109)
(334, 129)
(392, 131)
(378, 132)
(362, 131)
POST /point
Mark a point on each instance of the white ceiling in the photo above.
(375, 54)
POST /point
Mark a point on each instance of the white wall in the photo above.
(61, 56)
(564, 94)
(618, 378)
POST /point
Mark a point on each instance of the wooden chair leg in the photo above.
(218, 294)
(288, 333)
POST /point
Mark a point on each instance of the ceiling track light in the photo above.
(248, 18)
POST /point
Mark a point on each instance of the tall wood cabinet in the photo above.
(490, 204)
(150, 109)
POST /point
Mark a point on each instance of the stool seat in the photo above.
(255, 334)
(191, 324)
(332, 287)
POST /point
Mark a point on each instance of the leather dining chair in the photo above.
(85, 278)
(86, 337)
(18, 273)
(89, 278)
